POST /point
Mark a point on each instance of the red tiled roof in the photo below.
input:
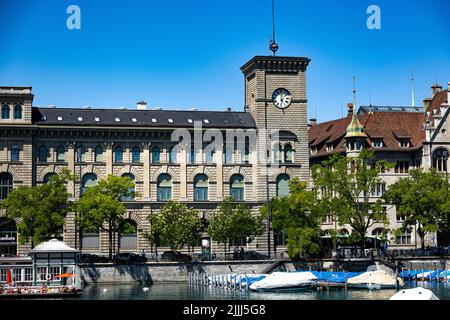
(390, 126)
(438, 99)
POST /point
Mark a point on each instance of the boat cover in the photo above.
(418, 293)
(378, 277)
(334, 277)
(284, 280)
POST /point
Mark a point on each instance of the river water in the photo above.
(183, 291)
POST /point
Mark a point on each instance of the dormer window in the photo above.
(80, 119)
(153, 120)
(60, 118)
(189, 120)
(170, 120)
(329, 147)
(44, 118)
(97, 119)
(133, 120)
(117, 119)
(377, 143)
(313, 150)
(404, 143)
(206, 121)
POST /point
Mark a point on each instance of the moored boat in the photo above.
(378, 279)
(285, 281)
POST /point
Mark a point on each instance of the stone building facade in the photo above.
(410, 137)
(36, 142)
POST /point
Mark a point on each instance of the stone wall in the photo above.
(163, 272)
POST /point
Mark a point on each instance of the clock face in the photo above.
(281, 98)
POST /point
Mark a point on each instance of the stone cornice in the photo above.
(275, 64)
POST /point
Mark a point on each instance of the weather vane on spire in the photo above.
(354, 92)
(273, 45)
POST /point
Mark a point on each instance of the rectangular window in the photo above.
(28, 274)
(404, 143)
(402, 167)
(41, 273)
(377, 143)
(17, 275)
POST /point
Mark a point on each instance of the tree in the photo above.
(41, 210)
(297, 216)
(422, 198)
(234, 222)
(344, 186)
(100, 207)
(176, 224)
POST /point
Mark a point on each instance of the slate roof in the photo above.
(141, 118)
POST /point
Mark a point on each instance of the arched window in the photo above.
(48, 176)
(6, 184)
(237, 187)
(80, 154)
(60, 154)
(283, 186)
(440, 160)
(89, 180)
(172, 155)
(15, 153)
(5, 111)
(131, 190)
(128, 235)
(288, 153)
(164, 187)
(118, 155)
(98, 154)
(42, 153)
(201, 187)
(136, 155)
(156, 155)
(17, 111)
(277, 153)
(343, 232)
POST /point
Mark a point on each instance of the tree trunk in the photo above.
(110, 243)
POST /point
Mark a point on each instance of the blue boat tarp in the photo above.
(334, 277)
(445, 274)
(421, 274)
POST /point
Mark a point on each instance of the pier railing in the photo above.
(236, 282)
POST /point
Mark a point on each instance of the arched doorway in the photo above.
(8, 237)
(128, 235)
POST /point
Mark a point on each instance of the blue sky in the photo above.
(187, 53)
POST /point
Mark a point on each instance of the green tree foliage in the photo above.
(176, 224)
(422, 198)
(299, 218)
(41, 210)
(234, 222)
(344, 186)
(100, 207)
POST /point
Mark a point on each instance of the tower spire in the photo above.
(273, 45)
(413, 102)
(355, 129)
(354, 92)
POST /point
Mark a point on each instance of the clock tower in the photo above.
(275, 95)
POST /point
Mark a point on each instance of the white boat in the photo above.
(418, 293)
(285, 281)
(378, 279)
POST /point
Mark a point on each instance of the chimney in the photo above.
(435, 88)
(426, 103)
(350, 108)
(141, 105)
(312, 122)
